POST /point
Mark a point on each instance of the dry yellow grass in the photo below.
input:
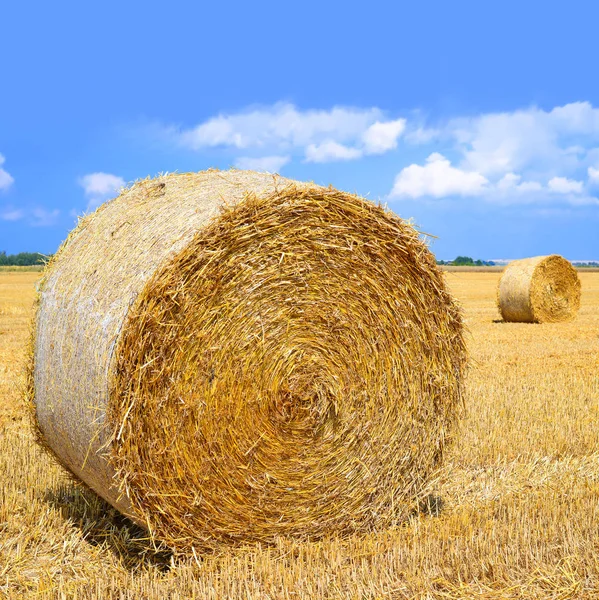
(513, 514)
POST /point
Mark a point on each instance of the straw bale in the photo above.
(543, 289)
(231, 356)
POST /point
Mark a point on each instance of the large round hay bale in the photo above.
(232, 356)
(543, 289)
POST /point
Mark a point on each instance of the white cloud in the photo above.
(339, 133)
(576, 117)
(36, 217)
(101, 184)
(41, 217)
(437, 178)
(567, 190)
(98, 187)
(382, 137)
(11, 214)
(218, 131)
(563, 185)
(6, 179)
(499, 143)
(511, 182)
(422, 135)
(548, 141)
(529, 155)
(271, 164)
(378, 138)
(593, 175)
(280, 126)
(330, 151)
(529, 186)
(524, 156)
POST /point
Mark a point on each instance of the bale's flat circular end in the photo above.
(293, 371)
(544, 289)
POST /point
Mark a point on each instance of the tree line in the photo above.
(27, 259)
(22, 259)
(466, 261)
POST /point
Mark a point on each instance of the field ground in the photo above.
(17, 269)
(515, 510)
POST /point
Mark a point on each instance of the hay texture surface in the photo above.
(543, 289)
(232, 356)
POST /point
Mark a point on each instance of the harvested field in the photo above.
(17, 269)
(464, 269)
(499, 269)
(513, 514)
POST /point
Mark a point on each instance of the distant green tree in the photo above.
(466, 261)
(22, 259)
(463, 261)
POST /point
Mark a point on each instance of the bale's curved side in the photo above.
(231, 356)
(542, 289)
(85, 296)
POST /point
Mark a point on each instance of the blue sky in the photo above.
(478, 120)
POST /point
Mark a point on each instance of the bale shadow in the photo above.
(502, 322)
(102, 525)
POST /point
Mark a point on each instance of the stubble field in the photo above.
(514, 513)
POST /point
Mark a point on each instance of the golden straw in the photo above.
(232, 356)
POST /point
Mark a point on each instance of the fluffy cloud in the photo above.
(41, 217)
(271, 164)
(98, 187)
(379, 138)
(36, 216)
(437, 178)
(382, 137)
(331, 151)
(510, 189)
(511, 182)
(593, 175)
(524, 156)
(422, 135)
(280, 126)
(101, 184)
(11, 214)
(340, 133)
(5, 178)
(497, 143)
(563, 185)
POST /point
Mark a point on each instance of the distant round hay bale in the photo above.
(543, 289)
(232, 356)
